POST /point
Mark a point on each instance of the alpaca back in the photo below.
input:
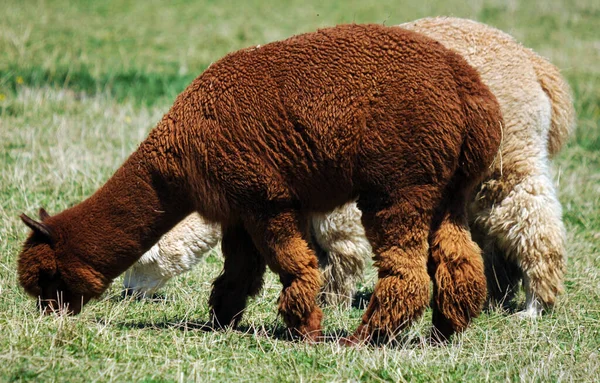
(304, 117)
(559, 92)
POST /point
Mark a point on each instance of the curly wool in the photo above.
(267, 135)
(517, 216)
(177, 252)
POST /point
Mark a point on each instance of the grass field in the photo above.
(82, 83)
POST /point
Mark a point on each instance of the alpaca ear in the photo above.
(37, 227)
(43, 214)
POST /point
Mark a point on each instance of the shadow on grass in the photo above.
(403, 340)
(273, 331)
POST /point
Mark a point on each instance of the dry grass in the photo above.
(62, 139)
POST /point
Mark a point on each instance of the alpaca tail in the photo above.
(558, 91)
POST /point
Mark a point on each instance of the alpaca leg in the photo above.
(341, 237)
(503, 276)
(242, 277)
(399, 234)
(282, 239)
(456, 265)
(527, 227)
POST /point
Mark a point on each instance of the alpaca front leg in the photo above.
(399, 238)
(242, 277)
(282, 239)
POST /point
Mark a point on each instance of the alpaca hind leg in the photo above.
(503, 275)
(398, 233)
(345, 248)
(457, 270)
(282, 238)
(242, 277)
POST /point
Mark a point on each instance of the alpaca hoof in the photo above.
(223, 321)
(438, 338)
(360, 337)
(312, 337)
(443, 328)
(308, 328)
(129, 293)
(533, 309)
(529, 314)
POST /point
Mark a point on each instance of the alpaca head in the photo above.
(52, 268)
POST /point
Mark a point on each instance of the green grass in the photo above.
(81, 84)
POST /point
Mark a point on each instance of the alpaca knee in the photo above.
(398, 299)
(543, 282)
(459, 295)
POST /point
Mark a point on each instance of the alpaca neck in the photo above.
(144, 199)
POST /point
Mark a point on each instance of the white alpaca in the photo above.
(516, 216)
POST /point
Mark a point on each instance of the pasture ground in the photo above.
(82, 83)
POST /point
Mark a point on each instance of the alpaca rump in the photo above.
(267, 135)
(516, 216)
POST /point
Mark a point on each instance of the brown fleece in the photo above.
(267, 135)
(455, 265)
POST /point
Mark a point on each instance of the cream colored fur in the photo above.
(176, 252)
(516, 216)
(340, 237)
(345, 247)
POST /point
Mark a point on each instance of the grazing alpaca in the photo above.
(267, 135)
(517, 216)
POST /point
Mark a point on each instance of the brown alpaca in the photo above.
(267, 135)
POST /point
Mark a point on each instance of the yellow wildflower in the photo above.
(19, 80)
